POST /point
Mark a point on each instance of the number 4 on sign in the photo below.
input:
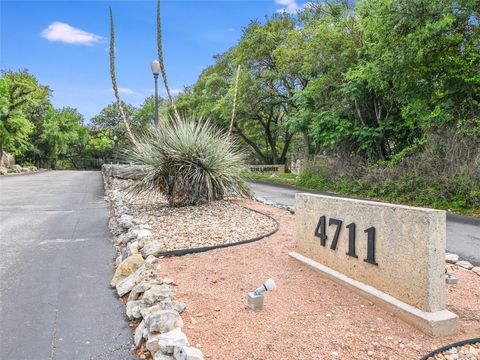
(321, 232)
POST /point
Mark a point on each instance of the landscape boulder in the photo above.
(187, 353)
(7, 160)
(152, 343)
(138, 232)
(172, 339)
(138, 290)
(160, 356)
(451, 258)
(127, 267)
(164, 305)
(151, 259)
(132, 248)
(163, 321)
(138, 337)
(174, 305)
(125, 221)
(464, 264)
(17, 168)
(476, 270)
(127, 284)
(134, 309)
(151, 247)
(158, 293)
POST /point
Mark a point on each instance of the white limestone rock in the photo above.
(134, 308)
(132, 248)
(451, 258)
(172, 339)
(187, 353)
(158, 293)
(139, 232)
(151, 247)
(138, 337)
(164, 305)
(125, 221)
(174, 305)
(121, 239)
(464, 264)
(151, 259)
(163, 321)
(160, 356)
(152, 343)
(138, 290)
(127, 284)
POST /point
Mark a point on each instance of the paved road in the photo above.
(55, 268)
(463, 233)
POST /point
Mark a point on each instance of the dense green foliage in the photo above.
(373, 79)
(381, 97)
(38, 134)
(188, 160)
(23, 103)
(32, 129)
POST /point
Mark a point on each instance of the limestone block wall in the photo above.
(408, 243)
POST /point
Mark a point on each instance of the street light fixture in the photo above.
(155, 66)
(115, 139)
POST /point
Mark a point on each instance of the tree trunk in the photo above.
(272, 143)
(380, 150)
(306, 141)
(254, 146)
(288, 139)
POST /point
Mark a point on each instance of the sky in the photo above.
(65, 43)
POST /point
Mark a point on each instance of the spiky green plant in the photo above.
(190, 161)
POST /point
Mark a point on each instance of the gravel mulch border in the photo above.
(213, 247)
(432, 355)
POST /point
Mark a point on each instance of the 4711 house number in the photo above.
(320, 232)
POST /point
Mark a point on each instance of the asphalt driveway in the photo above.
(55, 269)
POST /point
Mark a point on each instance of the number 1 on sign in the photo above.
(370, 246)
(321, 232)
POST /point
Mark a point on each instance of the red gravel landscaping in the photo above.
(309, 317)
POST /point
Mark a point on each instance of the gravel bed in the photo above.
(216, 223)
(308, 317)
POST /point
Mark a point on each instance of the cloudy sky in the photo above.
(65, 43)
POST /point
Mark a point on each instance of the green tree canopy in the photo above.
(23, 101)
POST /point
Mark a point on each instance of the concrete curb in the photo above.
(438, 323)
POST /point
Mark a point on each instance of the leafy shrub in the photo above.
(189, 161)
(444, 173)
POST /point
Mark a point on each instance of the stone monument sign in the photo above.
(392, 254)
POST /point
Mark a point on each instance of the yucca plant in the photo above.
(189, 161)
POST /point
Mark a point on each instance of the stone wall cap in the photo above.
(369, 202)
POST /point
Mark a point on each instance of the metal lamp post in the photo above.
(115, 139)
(155, 66)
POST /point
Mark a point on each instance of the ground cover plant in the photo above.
(188, 160)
